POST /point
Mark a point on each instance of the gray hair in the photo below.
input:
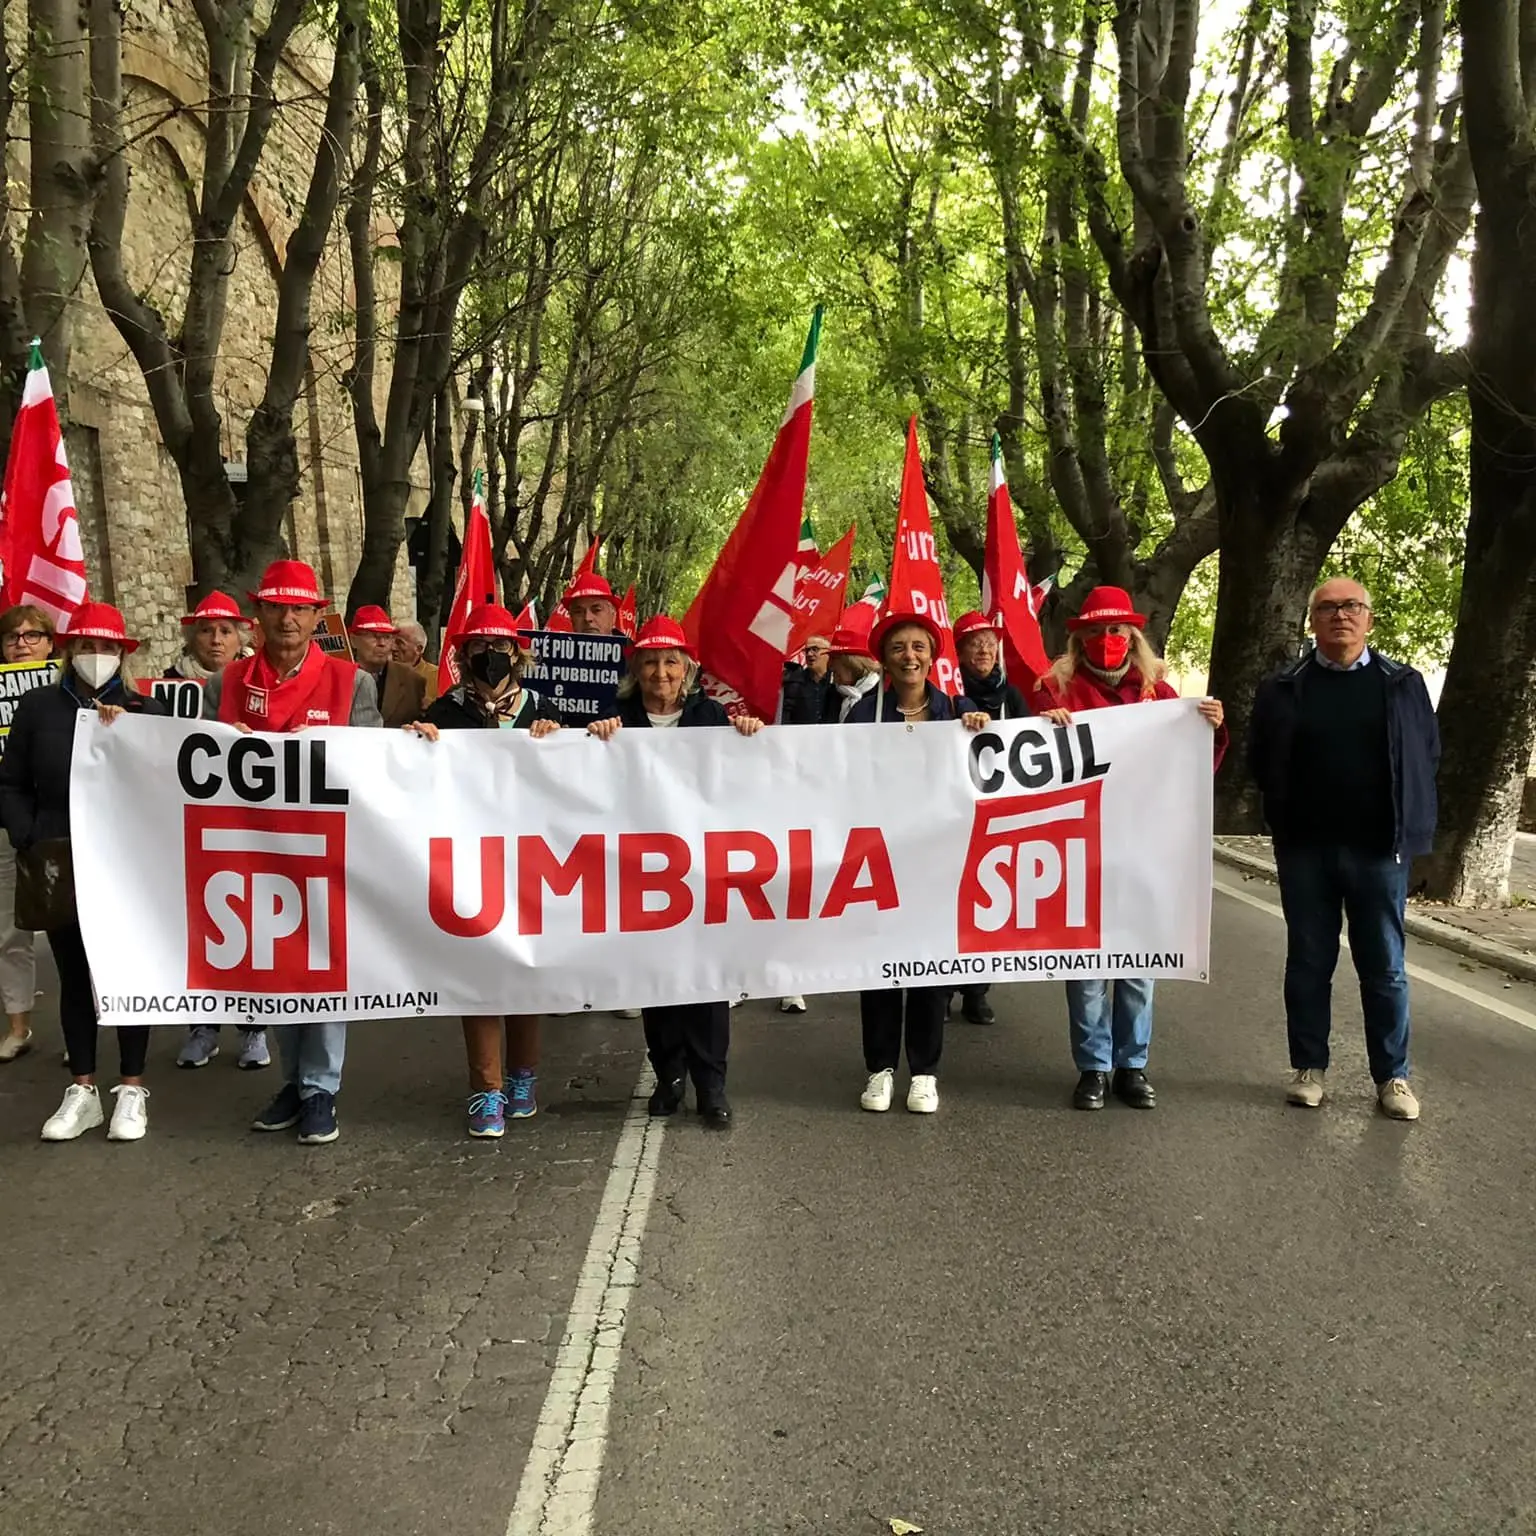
(413, 632)
(1312, 600)
(629, 684)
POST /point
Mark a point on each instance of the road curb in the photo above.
(1500, 956)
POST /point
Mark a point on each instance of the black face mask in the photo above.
(492, 668)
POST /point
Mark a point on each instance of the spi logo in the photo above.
(266, 899)
(1031, 876)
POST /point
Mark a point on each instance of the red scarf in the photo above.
(319, 693)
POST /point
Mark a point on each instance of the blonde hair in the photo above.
(1149, 666)
(125, 668)
(861, 664)
(629, 684)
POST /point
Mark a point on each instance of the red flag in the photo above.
(629, 613)
(41, 557)
(741, 621)
(528, 618)
(917, 583)
(819, 596)
(476, 584)
(1006, 596)
(559, 619)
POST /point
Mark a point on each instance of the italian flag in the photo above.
(42, 561)
(742, 621)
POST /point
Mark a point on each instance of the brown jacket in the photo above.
(427, 671)
(402, 695)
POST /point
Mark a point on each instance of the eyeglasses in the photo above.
(1349, 608)
(28, 636)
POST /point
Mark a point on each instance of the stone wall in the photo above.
(132, 513)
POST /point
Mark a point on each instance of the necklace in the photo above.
(911, 714)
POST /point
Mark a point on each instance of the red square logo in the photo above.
(1032, 873)
(266, 899)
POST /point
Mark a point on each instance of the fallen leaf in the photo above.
(903, 1527)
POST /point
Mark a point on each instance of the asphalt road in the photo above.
(1225, 1316)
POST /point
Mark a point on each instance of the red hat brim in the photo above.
(1108, 616)
(129, 646)
(894, 621)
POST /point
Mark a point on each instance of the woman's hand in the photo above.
(1211, 712)
(604, 730)
(423, 728)
(748, 725)
(1057, 716)
(976, 720)
(243, 728)
(110, 712)
(541, 728)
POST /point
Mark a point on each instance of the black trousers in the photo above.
(881, 1014)
(77, 1011)
(689, 1037)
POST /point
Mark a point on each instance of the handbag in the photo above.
(45, 886)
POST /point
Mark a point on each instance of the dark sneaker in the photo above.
(282, 1114)
(317, 1121)
(522, 1101)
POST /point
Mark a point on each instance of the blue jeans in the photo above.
(1319, 887)
(312, 1056)
(1109, 1033)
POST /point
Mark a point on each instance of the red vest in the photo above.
(320, 693)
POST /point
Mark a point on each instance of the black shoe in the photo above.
(714, 1111)
(977, 1010)
(1089, 1093)
(1131, 1087)
(668, 1097)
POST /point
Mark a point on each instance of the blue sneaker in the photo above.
(521, 1103)
(487, 1114)
(317, 1120)
(200, 1046)
(282, 1114)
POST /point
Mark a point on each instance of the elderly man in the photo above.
(1344, 747)
(411, 651)
(593, 608)
(289, 684)
(402, 693)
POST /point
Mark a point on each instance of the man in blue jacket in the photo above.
(1344, 747)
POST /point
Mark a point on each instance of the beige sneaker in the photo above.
(1306, 1088)
(1397, 1100)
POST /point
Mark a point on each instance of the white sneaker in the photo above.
(1306, 1088)
(80, 1111)
(15, 1045)
(131, 1117)
(877, 1092)
(1397, 1100)
(923, 1095)
(794, 1004)
(626, 1013)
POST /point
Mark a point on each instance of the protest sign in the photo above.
(18, 678)
(357, 874)
(579, 674)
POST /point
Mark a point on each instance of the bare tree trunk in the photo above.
(435, 575)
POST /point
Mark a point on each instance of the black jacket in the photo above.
(805, 696)
(34, 773)
(698, 709)
(995, 695)
(1413, 749)
(940, 706)
(451, 712)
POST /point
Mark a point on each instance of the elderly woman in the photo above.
(34, 806)
(214, 633)
(492, 697)
(907, 645)
(689, 1039)
(26, 635)
(1108, 662)
(854, 673)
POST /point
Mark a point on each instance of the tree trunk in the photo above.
(435, 574)
(1488, 707)
(1270, 559)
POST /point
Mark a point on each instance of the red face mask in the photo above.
(1107, 652)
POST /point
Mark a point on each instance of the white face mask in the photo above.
(95, 670)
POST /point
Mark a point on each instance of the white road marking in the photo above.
(1520, 1016)
(558, 1493)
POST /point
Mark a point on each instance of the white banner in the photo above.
(353, 874)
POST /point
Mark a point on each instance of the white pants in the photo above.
(18, 952)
